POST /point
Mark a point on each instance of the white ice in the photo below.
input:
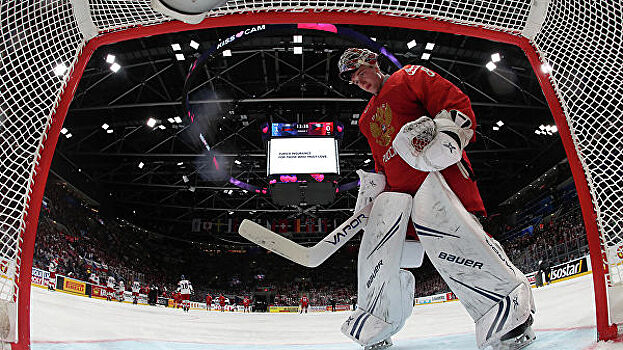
(565, 319)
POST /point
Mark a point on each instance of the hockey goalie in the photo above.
(424, 199)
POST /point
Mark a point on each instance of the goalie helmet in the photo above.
(352, 59)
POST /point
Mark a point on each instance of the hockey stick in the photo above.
(306, 256)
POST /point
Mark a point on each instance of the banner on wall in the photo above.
(40, 277)
(74, 286)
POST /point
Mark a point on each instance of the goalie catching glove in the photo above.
(434, 144)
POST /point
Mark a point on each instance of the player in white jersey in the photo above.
(136, 288)
(120, 290)
(94, 279)
(110, 288)
(52, 278)
(185, 289)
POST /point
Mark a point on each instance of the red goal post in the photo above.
(46, 45)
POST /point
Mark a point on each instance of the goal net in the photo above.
(46, 44)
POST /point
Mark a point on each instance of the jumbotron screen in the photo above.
(303, 155)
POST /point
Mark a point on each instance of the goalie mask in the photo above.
(352, 59)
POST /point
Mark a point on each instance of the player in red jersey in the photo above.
(52, 278)
(208, 302)
(417, 125)
(246, 302)
(110, 288)
(221, 302)
(304, 303)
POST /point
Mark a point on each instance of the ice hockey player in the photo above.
(417, 125)
(121, 290)
(94, 278)
(208, 302)
(185, 289)
(52, 277)
(304, 303)
(221, 302)
(110, 288)
(245, 303)
(136, 288)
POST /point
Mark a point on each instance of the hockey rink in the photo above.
(565, 320)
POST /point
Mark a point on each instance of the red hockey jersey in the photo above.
(405, 96)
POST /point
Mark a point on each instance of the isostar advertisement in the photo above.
(572, 268)
(40, 277)
(74, 286)
(561, 272)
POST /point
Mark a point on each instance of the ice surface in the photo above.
(565, 319)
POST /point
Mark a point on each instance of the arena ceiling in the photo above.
(265, 81)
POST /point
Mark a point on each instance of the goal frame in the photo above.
(605, 330)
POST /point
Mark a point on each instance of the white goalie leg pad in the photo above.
(493, 291)
(380, 282)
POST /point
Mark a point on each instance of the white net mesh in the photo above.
(581, 40)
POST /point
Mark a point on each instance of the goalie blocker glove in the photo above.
(434, 144)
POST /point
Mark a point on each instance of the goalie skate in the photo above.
(384, 344)
(518, 338)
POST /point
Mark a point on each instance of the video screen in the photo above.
(302, 155)
(303, 129)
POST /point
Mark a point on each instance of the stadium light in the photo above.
(115, 67)
(554, 128)
(226, 53)
(425, 56)
(373, 38)
(297, 39)
(178, 120)
(141, 165)
(171, 120)
(500, 123)
(110, 59)
(151, 122)
(60, 69)
(496, 57)
(298, 50)
(63, 131)
(194, 44)
(176, 47)
(237, 162)
(491, 66)
(430, 46)
(109, 131)
(105, 126)
(367, 161)
(185, 178)
(230, 213)
(542, 127)
(411, 44)
(496, 128)
(180, 163)
(69, 135)
(161, 127)
(180, 56)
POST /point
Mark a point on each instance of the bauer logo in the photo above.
(374, 272)
(460, 260)
(349, 228)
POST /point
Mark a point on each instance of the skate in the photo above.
(384, 344)
(518, 338)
